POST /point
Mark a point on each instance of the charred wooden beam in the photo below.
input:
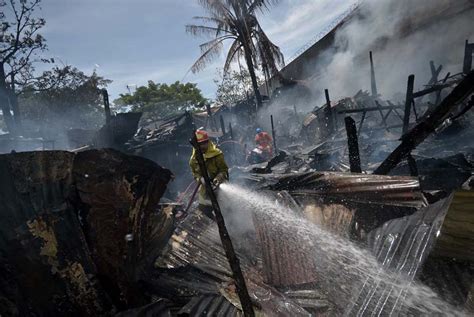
(373, 82)
(353, 144)
(469, 106)
(429, 90)
(329, 114)
(369, 109)
(434, 73)
(408, 102)
(438, 94)
(395, 109)
(428, 125)
(105, 95)
(468, 51)
(275, 150)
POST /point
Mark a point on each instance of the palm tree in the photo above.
(236, 20)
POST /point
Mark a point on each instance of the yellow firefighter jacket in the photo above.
(216, 166)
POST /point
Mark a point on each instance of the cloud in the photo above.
(141, 40)
(296, 22)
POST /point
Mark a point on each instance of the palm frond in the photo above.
(205, 46)
(207, 56)
(236, 20)
(217, 8)
(233, 53)
(253, 5)
(199, 30)
(269, 54)
(215, 20)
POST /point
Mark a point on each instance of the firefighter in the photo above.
(216, 168)
(264, 143)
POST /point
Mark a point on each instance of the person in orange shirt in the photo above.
(264, 143)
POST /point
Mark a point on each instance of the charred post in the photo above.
(468, 51)
(423, 129)
(408, 102)
(273, 135)
(105, 95)
(353, 144)
(234, 262)
(373, 83)
(329, 114)
(434, 73)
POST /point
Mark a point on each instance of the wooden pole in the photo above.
(273, 136)
(428, 125)
(329, 114)
(353, 144)
(234, 263)
(373, 83)
(408, 102)
(105, 95)
(468, 50)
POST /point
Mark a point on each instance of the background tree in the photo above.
(158, 101)
(63, 98)
(19, 44)
(236, 20)
(233, 87)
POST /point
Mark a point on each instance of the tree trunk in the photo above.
(248, 59)
(13, 98)
(4, 101)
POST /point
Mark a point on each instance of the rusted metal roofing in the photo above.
(344, 187)
(194, 267)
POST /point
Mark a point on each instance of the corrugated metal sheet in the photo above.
(284, 265)
(359, 188)
(209, 305)
(195, 268)
(401, 246)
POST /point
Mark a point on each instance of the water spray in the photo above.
(344, 266)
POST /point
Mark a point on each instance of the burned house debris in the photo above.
(78, 230)
(365, 205)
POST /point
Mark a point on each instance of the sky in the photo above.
(133, 41)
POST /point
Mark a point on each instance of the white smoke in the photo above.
(404, 36)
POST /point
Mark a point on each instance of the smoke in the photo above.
(53, 126)
(404, 36)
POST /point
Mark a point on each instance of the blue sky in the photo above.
(133, 41)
